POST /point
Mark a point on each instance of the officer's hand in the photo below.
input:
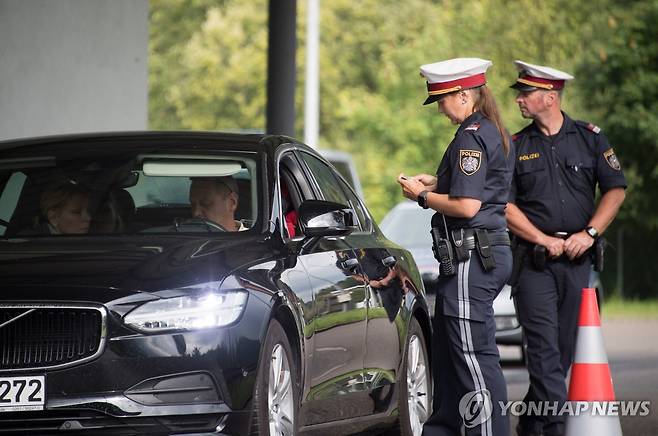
(577, 244)
(555, 246)
(410, 187)
(427, 180)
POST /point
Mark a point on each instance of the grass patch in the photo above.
(618, 308)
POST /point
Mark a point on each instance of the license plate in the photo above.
(22, 393)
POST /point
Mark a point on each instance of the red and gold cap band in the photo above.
(540, 82)
(456, 85)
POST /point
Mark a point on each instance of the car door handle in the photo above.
(389, 261)
(349, 264)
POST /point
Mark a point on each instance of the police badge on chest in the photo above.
(469, 161)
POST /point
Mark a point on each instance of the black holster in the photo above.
(599, 253)
(484, 249)
(443, 252)
(519, 253)
(459, 239)
(539, 256)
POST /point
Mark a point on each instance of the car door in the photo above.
(385, 330)
(337, 389)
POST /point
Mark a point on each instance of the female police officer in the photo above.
(469, 194)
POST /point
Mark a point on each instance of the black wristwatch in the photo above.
(592, 232)
(422, 199)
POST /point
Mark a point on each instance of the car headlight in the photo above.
(216, 309)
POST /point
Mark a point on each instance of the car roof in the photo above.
(137, 139)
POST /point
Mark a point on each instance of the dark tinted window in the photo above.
(334, 189)
(356, 205)
(344, 171)
(327, 182)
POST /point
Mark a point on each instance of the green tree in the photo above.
(210, 75)
(208, 71)
(171, 25)
(622, 90)
(371, 90)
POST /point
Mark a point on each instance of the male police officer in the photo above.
(559, 161)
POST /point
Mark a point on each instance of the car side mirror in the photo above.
(325, 218)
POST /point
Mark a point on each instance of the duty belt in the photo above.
(465, 238)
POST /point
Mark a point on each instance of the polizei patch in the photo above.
(612, 160)
(469, 161)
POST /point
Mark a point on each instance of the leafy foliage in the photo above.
(208, 61)
(622, 89)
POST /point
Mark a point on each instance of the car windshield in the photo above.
(66, 193)
(408, 226)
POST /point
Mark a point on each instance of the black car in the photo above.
(150, 319)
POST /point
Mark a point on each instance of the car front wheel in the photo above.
(276, 399)
(415, 388)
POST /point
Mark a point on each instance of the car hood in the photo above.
(121, 266)
(503, 305)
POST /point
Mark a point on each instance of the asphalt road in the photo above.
(632, 349)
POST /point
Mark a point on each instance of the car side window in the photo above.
(332, 187)
(294, 188)
(9, 196)
(356, 205)
(326, 181)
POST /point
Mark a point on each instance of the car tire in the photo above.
(415, 390)
(276, 399)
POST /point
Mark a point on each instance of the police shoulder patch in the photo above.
(610, 157)
(474, 127)
(469, 161)
(593, 128)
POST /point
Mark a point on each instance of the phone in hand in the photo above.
(404, 177)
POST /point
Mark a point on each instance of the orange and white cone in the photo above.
(590, 387)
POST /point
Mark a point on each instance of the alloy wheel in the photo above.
(417, 386)
(280, 394)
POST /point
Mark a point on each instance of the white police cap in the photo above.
(532, 77)
(453, 75)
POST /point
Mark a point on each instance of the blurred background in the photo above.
(207, 61)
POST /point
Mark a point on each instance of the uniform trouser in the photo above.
(465, 360)
(547, 303)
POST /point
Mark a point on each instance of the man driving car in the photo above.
(216, 199)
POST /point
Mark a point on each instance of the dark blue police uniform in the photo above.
(467, 374)
(555, 178)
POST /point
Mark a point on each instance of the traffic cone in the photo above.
(590, 387)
